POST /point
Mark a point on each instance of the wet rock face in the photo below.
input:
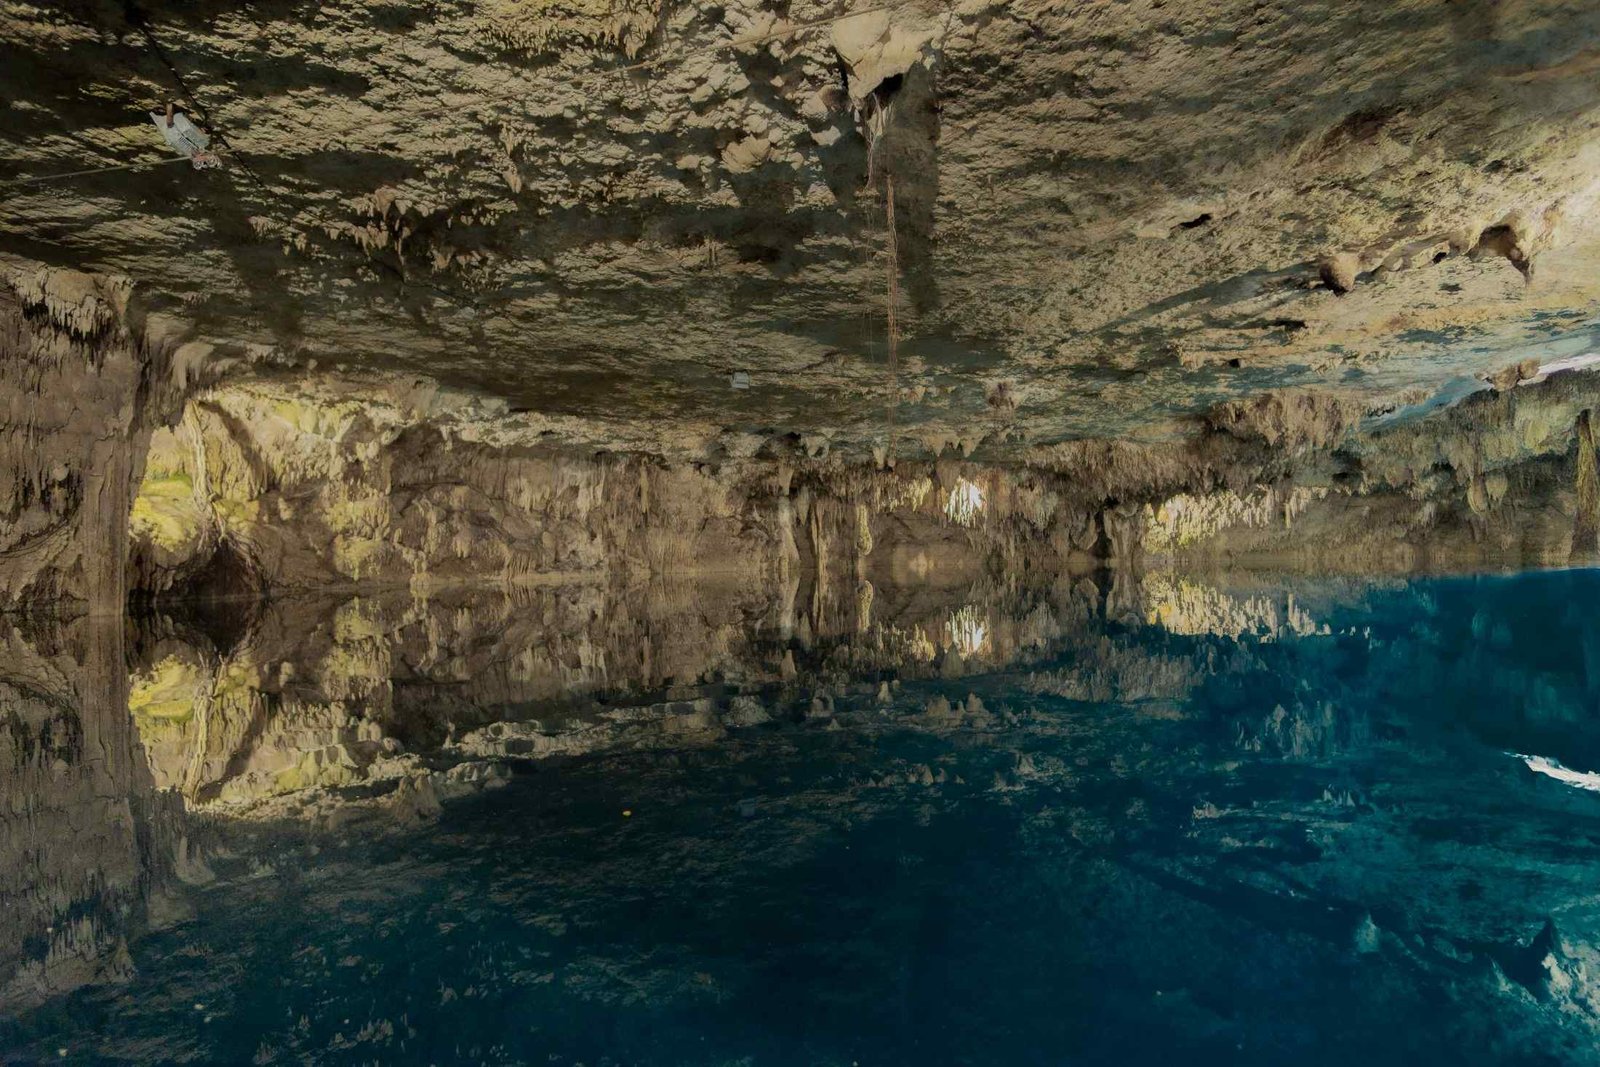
(83, 836)
(291, 483)
(141, 465)
(583, 320)
(83, 373)
(309, 483)
(1104, 214)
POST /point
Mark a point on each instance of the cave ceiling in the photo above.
(1107, 217)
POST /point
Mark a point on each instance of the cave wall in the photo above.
(312, 483)
(128, 467)
(85, 374)
(1497, 479)
(280, 484)
(316, 491)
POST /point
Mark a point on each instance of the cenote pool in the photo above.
(1134, 821)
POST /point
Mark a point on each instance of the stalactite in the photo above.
(1586, 521)
(891, 315)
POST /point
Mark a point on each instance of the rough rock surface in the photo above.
(931, 333)
(1106, 215)
(278, 485)
(75, 381)
(237, 475)
(476, 291)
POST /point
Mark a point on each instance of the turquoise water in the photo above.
(1201, 824)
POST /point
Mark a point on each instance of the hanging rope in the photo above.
(41, 179)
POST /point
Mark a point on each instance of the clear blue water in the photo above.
(1152, 844)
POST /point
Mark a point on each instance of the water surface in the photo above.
(1123, 820)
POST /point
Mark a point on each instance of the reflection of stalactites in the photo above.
(1304, 732)
(1124, 600)
(1182, 606)
(967, 631)
(964, 504)
(1586, 523)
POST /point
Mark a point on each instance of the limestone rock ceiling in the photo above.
(1107, 216)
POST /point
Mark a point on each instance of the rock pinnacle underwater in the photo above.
(783, 532)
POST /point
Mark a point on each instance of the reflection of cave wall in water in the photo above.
(398, 699)
(1289, 775)
(385, 706)
(84, 836)
(372, 692)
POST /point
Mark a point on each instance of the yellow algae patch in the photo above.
(328, 766)
(166, 692)
(165, 512)
(358, 557)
